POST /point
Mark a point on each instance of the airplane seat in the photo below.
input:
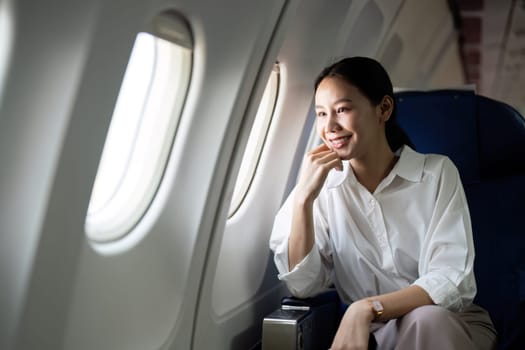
(486, 140)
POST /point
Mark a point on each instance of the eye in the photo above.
(342, 109)
(321, 114)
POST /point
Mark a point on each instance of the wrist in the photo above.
(363, 309)
(376, 308)
(304, 201)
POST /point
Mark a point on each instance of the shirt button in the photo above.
(372, 202)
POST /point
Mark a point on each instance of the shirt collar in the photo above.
(336, 177)
(409, 166)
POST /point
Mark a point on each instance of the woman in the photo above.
(388, 226)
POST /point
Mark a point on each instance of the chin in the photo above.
(344, 155)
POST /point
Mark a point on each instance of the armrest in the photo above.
(302, 323)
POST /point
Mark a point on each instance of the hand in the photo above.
(354, 329)
(317, 164)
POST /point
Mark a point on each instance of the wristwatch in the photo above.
(377, 309)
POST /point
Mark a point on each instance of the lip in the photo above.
(340, 141)
(339, 137)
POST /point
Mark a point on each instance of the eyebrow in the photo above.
(344, 99)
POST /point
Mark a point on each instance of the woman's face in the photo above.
(347, 121)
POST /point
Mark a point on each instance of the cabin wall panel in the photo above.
(415, 41)
(43, 77)
(144, 297)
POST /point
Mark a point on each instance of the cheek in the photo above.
(350, 122)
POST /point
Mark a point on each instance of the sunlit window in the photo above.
(256, 141)
(6, 40)
(141, 132)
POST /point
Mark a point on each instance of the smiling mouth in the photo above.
(340, 142)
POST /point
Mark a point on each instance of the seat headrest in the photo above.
(501, 132)
(443, 122)
(483, 137)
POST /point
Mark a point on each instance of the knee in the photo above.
(428, 317)
(431, 325)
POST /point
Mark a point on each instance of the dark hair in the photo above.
(372, 80)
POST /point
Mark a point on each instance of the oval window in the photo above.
(256, 140)
(142, 129)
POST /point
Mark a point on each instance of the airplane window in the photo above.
(142, 130)
(256, 140)
(6, 40)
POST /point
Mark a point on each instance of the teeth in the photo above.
(340, 141)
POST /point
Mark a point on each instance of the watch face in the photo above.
(378, 307)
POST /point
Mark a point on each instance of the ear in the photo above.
(386, 107)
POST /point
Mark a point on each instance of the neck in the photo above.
(371, 170)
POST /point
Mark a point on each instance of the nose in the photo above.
(332, 124)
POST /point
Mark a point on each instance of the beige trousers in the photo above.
(433, 327)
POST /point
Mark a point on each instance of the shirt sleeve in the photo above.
(447, 254)
(313, 274)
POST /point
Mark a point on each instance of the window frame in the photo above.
(171, 33)
(252, 156)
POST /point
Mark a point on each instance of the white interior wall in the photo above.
(415, 41)
(44, 74)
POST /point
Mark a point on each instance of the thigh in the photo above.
(482, 330)
(471, 329)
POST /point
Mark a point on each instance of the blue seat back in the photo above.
(486, 141)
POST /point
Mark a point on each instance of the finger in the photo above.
(338, 164)
(330, 156)
(335, 163)
(318, 158)
(320, 148)
(322, 168)
(322, 159)
(319, 155)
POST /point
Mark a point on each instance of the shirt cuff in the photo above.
(441, 290)
(302, 277)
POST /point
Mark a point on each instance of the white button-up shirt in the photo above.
(414, 229)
